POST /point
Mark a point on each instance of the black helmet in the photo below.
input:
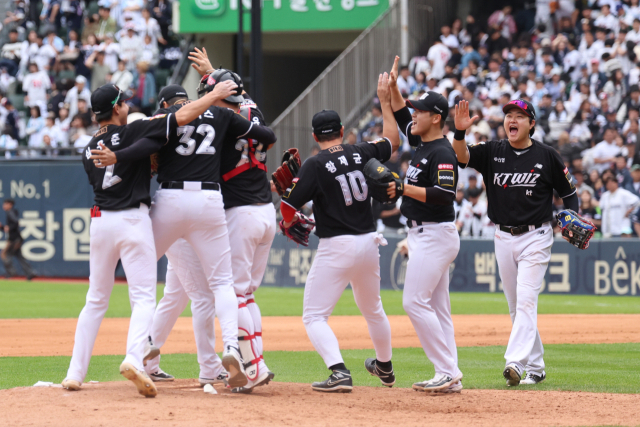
(209, 81)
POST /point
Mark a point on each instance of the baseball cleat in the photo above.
(338, 382)
(386, 378)
(263, 379)
(150, 351)
(437, 384)
(220, 379)
(512, 374)
(533, 378)
(145, 386)
(453, 388)
(72, 385)
(161, 376)
(232, 362)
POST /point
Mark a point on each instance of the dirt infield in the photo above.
(54, 337)
(279, 404)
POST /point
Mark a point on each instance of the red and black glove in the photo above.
(283, 176)
(299, 229)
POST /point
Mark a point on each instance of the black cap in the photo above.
(431, 101)
(169, 92)
(525, 106)
(106, 97)
(325, 122)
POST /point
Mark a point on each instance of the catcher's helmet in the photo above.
(209, 81)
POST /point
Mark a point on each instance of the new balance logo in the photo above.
(515, 179)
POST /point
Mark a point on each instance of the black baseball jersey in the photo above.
(333, 179)
(125, 185)
(520, 183)
(244, 172)
(193, 150)
(434, 164)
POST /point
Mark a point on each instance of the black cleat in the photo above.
(386, 378)
(338, 382)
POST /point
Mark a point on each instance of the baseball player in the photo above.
(121, 229)
(433, 240)
(520, 174)
(251, 231)
(189, 205)
(348, 248)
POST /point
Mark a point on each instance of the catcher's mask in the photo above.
(209, 81)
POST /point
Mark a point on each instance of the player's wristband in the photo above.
(459, 135)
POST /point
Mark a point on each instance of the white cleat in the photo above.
(72, 385)
(145, 386)
(232, 362)
(532, 379)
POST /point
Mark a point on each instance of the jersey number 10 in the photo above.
(355, 178)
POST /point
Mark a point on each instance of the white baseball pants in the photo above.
(340, 260)
(125, 235)
(252, 229)
(522, 263)
(432, 249)
(186, 281)
(198, 217)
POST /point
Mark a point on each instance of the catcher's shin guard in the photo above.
(247, 340)
(256, 316)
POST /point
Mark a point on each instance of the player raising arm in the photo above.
(433, 238)
(520, 174)
(348, 248)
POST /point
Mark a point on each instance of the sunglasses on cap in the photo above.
(519, 103)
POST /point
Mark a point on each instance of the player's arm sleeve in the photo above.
(380, 149)
(140, 149)
(561, 177)
(159, 126)
(572, 202)
(478, 157)
(303, 188)
(404, 120)
(443, 170)
(243, 128)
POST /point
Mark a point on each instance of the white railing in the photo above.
(349, 83)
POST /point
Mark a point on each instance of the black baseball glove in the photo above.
(378, 178)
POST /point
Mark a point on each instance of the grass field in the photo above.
(596, 368)
(482, 367)
(26, 300)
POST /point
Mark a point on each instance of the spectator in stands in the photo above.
(51, 137)
(144, 87)
(130, 47)
(12, 53)
(502, 21)
(99, 69)
(34, 129)
(150, 52)
(617, 205)
(635, 180)
(474, 219)
(122, 77)
(106, 24)
(11, 118)
(63, 122)
(580, 184)
(53, 40)
(438, 56)
(406, 82)
(35, 84)
(589, 210)
(78, 135)
(79, 90)
(51, 15)
(152, 28)
(7, 143)
(605, 152)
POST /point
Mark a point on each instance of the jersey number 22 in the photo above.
(354, 178)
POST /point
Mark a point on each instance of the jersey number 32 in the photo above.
(187, 144)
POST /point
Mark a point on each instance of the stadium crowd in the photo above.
(55, 52)
(579, 65)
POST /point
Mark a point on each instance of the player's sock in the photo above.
(341, 366)
(385, 366)
(247, 340)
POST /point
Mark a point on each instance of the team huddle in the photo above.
(213, 218)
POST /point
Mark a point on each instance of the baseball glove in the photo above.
(283, 176)
(299, 229)
(378, 178)
(575, 230)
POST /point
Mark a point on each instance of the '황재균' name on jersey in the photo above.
(516, 179)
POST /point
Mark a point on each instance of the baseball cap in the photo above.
(635, 167)
(431, 101)
(325, 122)
(521, 104)
(170, 92)
(81, 79)
(106, 97)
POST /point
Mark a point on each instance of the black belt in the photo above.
(179, 185)
(516, 231)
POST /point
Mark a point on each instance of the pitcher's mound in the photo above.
(283, 404)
